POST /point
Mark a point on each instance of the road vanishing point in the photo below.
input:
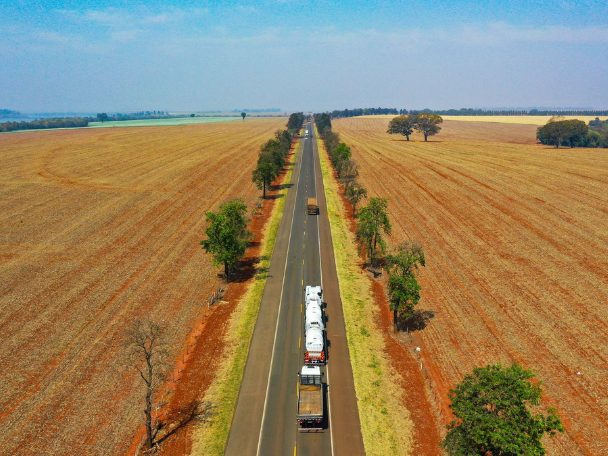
(264, 422)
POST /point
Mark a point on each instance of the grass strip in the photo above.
(385, 424)
(210, 439)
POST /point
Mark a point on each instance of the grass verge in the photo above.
(210, 439)
(385, 424)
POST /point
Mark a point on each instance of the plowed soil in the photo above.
(100, 228)
(517, 259)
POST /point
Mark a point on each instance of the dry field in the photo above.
(525, 120)
(98, 228)
(516, 240)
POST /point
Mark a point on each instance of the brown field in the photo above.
(516, 240)
(98, 228)
(525, 120)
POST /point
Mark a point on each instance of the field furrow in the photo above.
(99, 228)
(517, 257)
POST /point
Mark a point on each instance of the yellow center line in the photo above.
(300, 342)
(295, 450)
(302, 281)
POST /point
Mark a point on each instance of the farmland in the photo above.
(517, 258)
(524, 120)
(99, 228)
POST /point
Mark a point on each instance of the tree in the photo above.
(427, 124)
(355, 194)
(243, 115)
(295, 121)
(265, 173)
(555, 131)
(403, 125)
(102, 116)
(492, 415)
(323, 121)
(146, 346)
(577, 132)
(403, 287)
(372, 225)
(227, 234)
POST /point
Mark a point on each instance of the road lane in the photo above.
(306, 254)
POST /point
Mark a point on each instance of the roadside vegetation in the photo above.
(211, 438)
(385, 424)
(492, 415)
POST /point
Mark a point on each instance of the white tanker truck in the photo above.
(314, 326)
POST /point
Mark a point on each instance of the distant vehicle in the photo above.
(307, 134)
(312, 207)
(310, 399)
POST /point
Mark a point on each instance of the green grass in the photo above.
(385, 424)
(160, 122)
(211, 439)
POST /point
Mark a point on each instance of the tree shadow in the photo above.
(417, 322)
(274, 197)
(195, 412)
(281, 186)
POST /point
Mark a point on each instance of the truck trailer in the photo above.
(311, 206)
(310, 399)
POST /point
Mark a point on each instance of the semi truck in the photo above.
(312, 207)
(310, 399)
(315, 340)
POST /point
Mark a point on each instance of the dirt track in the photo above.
(517, 258)
(100, 227)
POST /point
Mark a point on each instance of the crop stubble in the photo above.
(100, 228)
(517, 258)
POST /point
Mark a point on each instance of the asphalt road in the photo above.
(264, 422)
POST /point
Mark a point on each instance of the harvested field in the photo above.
(524, 120)
(517, 258)
(99, 228)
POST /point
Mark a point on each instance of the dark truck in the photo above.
(310, 399)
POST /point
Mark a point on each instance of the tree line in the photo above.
(573, 133)
(491, 406)
(40, 124)
(227, 234)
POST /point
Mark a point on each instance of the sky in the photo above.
(122, 56)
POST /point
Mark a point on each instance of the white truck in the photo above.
(310, 413)
(315, 339)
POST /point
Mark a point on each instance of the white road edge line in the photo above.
(278, 318)
(314, 168)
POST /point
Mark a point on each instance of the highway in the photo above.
(264, 422)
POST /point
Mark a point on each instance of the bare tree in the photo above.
(148, 354)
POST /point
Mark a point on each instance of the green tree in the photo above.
(402, 125)
(227, 234)
(427, 124)
(372, 225)
(492, 416)
(355, 194)
(577, 132)
(243, 115)
(403, 286)
(295, 121)
(555, 131)
(102, 116)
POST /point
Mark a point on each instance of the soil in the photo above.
(517, 259)
(101, 227)
(416, 395)
(197, 373)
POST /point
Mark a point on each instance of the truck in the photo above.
(315, 339)
(313, 293)
(310, 399)
(311, 206)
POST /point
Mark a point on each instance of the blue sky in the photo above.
(301, 55)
